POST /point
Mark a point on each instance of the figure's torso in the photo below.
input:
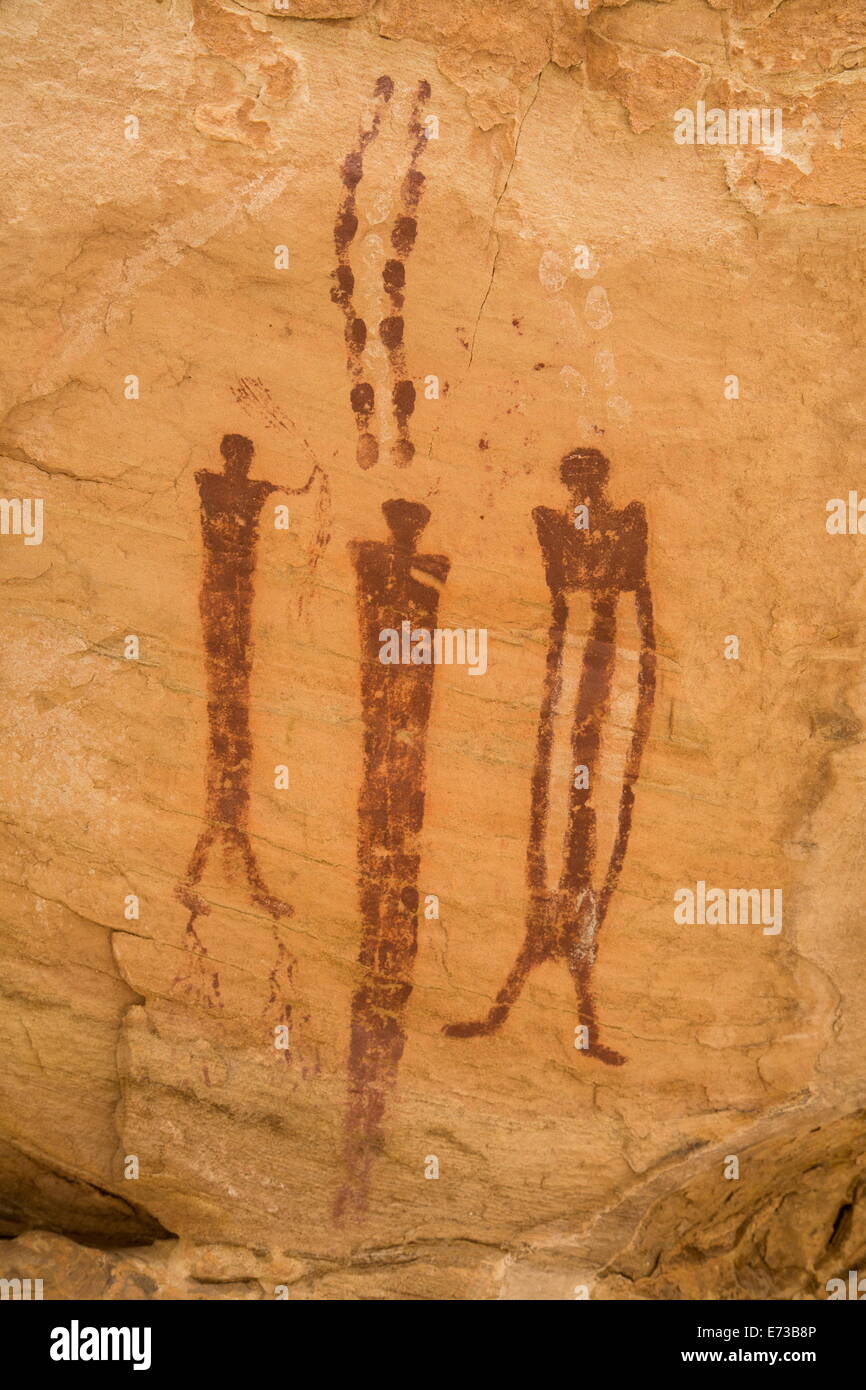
(230, 513)
(611, 554)
(387, 581)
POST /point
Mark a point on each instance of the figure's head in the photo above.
(406, 520)
(238, 452)
(585, 472)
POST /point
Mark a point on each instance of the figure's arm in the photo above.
(437, 566)
(298, 491)
(643, 716)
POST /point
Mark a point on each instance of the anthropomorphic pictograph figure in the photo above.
(605, 559)
(395, 700)
(231, 506)
(404, 230)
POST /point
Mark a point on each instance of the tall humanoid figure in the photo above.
(231, 504)
(396, 585)
(605, 558)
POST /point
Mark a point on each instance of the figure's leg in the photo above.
(279, 1009)
(641, 728)
(198, 980)
(536, 859)
(580, 969)
(275, 907)
(183, 891)
(364, 1115)
(537, 947)
(376, 1046)
(591, 708)
(578, 908)
(483, 1027)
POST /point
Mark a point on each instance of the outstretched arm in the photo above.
(297, 491)
(643, 716)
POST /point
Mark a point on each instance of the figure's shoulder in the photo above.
(211, 489)
(263, 487)
(362, 552)
(548, 520)
(634, 517)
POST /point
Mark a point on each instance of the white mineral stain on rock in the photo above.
(552, 272)
(379, 207)
(591, 269)
(597, 311)
(573, 380)
(605, 364)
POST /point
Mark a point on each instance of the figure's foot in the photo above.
(199, 986)
(277, 1012)
(198, 981)
(479, 1028)
(238, 842)
(606, 1055)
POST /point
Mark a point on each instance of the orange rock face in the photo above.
(432, 649)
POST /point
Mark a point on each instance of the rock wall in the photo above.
(415, 252)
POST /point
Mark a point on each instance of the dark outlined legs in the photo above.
(607, 559)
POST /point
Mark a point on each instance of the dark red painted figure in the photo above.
(396, 707)
(605, 560)
(231, 505)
